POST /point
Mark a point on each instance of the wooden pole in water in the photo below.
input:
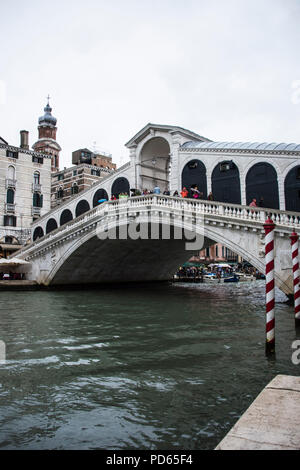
(294, 242)
(269, 227)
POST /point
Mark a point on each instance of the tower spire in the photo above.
(47, 136)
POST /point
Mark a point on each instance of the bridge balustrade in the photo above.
(221, 210)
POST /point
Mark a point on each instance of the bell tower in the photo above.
(47, 137)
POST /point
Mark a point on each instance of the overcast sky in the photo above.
(228, 70)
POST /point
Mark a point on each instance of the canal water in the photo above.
(156, 367)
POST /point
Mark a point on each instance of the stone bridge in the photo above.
(146, 238)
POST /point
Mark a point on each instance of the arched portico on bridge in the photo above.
(82, 207)
(292, 189)
(262, 184)
(51, 225)
(194, 174)
(154, 164)
(99, 195)
(66, 216)
(226, 185)
(119, 186)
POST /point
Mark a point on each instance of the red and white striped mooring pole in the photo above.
(269, 227)
(294, 242)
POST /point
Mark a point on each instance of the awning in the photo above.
(10, 246)
(12, 262)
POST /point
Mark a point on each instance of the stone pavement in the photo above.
(272, 422)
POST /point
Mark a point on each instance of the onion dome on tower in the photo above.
(47, 119)
(47, 136)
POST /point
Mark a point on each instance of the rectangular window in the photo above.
(11, 154)
(10, 221)
(37, 200)
(60, 177)
(36, 159)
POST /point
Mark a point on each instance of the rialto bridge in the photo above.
(66, 247)
(145, 238)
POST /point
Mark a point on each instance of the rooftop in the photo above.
(246, 146)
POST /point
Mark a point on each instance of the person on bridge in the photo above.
(253, 203)
(184, 193)
(195, 192)
(156, 190)
(210, 197)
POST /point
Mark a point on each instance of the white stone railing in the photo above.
(211, 209)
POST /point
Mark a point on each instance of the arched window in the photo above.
(10, 196)
(74, 188)
(60, 193)
(11, 172)
(262, 185)
(36, 177)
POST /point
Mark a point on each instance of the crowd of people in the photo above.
(198, 272)
(193, 192)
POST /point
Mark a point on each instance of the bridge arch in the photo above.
(226, 184)
(99, 194)
(262, 184)
(120, 185)
(38, 233)
(97, 256)
(292, 189)
(51, 225)
(82, 207)
(194, 173)
(66, 216)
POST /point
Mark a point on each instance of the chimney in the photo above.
(24, 140)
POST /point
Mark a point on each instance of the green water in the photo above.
(156, 367)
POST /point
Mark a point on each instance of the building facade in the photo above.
(217, 253)
(25, 181)
(70, 181)
(102, 160)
